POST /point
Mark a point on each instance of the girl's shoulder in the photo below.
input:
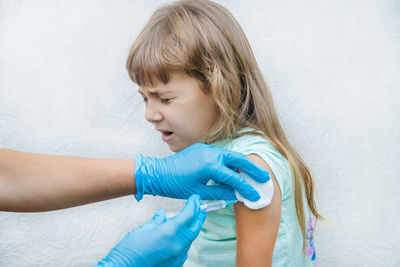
(253, 143)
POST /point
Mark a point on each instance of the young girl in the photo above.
(201, 83)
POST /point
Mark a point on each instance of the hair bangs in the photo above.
(155, 53)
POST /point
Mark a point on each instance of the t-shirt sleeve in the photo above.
(253, 144)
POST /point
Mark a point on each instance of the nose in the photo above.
(152, 113)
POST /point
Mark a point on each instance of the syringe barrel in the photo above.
(213, 205)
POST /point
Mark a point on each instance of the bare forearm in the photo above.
(34, 182)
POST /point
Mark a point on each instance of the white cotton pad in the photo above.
(266, 191)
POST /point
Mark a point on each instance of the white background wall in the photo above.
(333, 68)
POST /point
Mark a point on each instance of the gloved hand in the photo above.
(160, 242)
(188, 171)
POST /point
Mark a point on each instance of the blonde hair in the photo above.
(203, 39)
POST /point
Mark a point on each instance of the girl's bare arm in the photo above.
(257, 230)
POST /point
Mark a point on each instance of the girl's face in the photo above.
(180, 110)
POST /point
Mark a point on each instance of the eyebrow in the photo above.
(151, 93)
(155, 93)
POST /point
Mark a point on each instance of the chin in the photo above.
(177, 148)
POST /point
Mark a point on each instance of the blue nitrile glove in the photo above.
(188, 171)
(160, 242)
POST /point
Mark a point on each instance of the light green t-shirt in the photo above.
(216, 243)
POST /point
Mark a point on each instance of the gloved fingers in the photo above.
(234, 179)
(196, 224)
(220, 191)
(159, 217)
(236, 160)
(179, 261)
(186, 215)
(174, 262)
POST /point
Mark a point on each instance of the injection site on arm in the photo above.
(266, 191)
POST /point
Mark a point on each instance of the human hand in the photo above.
(160, 242)
(188, 171)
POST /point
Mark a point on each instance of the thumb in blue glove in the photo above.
(160, 242)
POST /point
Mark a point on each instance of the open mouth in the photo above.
(167, 133)
(167, 136)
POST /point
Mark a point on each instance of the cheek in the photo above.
(183, 121)
(201, 119)
(186, 121)
(192, 118)
(207, 111)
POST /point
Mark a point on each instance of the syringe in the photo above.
(216, 205)
(208, 206)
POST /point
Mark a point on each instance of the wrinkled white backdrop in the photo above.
(333, 68)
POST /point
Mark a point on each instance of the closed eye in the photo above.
(144, 97)
(165, 100)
